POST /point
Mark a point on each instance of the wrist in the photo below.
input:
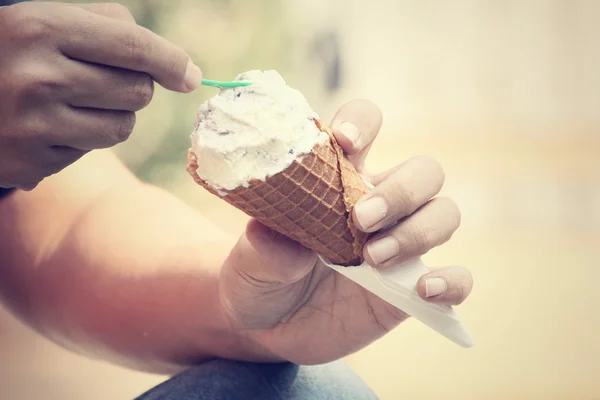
(243, 344)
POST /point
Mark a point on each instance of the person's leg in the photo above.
(225, 380)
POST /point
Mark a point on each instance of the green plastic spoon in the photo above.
(223, 85)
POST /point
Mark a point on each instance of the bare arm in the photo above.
(108, 266)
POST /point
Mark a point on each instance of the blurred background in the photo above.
(506, 94)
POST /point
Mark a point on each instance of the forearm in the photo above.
(155, 282)
(132, 278)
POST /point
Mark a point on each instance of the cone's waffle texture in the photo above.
(310, 201)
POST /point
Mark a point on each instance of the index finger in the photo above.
(99, 39)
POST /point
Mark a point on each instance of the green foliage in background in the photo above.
(264, 49)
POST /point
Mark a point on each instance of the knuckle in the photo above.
(412, 238)
(118, 10)
(38, 129)
(176, 68)
(37, 81)
(31, 132)
(12, 16)
(403, 199)
(36, 28)
(23, 22)
(141, 93)
(420, 238)
(125, 127)
(137, 46)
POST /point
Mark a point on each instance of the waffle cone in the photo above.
(310, 201)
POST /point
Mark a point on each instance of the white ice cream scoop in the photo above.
(251, 132)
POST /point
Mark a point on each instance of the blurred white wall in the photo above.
(530, 63)
(506, 94)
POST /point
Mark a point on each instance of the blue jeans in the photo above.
(225, 380)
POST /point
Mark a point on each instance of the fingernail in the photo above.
(349, 130)
(435, 286)
(383, 249)
(193, 76)
(370, 212)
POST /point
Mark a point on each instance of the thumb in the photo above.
(275, 258)
(262, 279)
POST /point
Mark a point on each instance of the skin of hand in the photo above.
(112, 268)
(280, 296)
(73, 77)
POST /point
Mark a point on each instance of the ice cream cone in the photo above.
(310, 201)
